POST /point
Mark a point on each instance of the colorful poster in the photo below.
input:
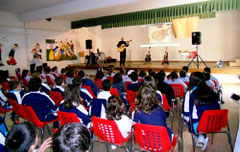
(58, 51)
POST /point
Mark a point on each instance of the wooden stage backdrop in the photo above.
(157, 66)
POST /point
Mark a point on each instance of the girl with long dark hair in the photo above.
(72, 104)
(199, 97)
(148, 108)
(115, 111)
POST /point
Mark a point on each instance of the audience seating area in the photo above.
(143, 137)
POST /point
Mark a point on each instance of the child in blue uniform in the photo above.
(199, 97)
(72, 104)
(148, 109)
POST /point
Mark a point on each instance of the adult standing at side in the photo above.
(122, 49)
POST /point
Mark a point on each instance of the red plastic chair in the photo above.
(140, 79)
(42, 77)
(5, 86)
(98, 83)
(192, 54)
(178, 90)
(67, 117)
(89, 90)
(108, 133)
(212, 121)
(126, 84)
(33, 118)
(56, 97)
(110, 78)
(13, 78)
(165, 104)
(19, 76)
(4, 111)
(153, 138)
(187, 83)
(131, 99)
(55, 75)
(18, 108)
(114, 91)
(49, 80)
(167, 108)
(215, 83)
(63, 76)
(25, 82)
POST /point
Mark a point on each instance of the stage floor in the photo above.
(157, 66)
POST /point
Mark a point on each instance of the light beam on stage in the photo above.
(160, 44)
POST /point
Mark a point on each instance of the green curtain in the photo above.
(206, 9)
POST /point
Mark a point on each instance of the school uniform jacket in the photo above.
(80, 111)
(194, 112)
(91, 84)
(41, 103)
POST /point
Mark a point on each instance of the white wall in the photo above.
(220, 40)
(94, 34)
(26, 36)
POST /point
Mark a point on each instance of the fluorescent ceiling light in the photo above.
(156, 24)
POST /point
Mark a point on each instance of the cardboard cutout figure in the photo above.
(11, 55)
(36, 51)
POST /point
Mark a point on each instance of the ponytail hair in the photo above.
(115, 108)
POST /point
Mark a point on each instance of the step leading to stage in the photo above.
(235, 64)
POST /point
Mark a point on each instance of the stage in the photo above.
(157, 66)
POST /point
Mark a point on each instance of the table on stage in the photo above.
(183, 55)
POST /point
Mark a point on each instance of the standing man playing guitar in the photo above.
(122, 49)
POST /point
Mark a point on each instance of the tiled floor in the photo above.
(220, 143)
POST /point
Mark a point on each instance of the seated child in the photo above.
(105, 94)
(23, 137)
(73, 104)
(148, 109)
(199, 97)
(60, 85)
(114, 111)
(72, 137)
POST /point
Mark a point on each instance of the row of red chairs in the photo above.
(149, 137)
(152, 138)
(155, 138)
(27, 113)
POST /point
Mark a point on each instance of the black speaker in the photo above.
(196, 38)
(88, 44)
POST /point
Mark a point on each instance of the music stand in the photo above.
(129, 57)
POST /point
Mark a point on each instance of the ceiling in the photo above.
(21, 6)
(72, 10)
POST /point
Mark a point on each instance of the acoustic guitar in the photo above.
(123, 46)
(148, 56)
(165, 57)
